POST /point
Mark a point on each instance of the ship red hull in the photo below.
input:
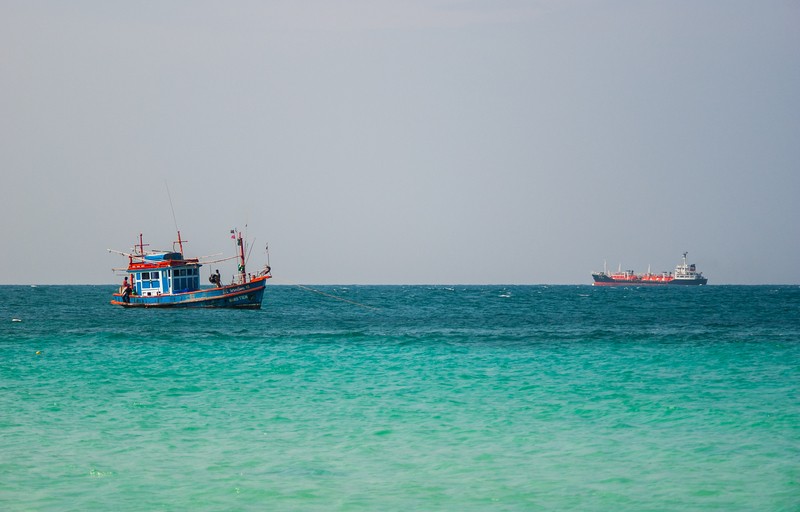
(628, 283)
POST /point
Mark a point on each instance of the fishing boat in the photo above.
(161, 279)
(685, 274)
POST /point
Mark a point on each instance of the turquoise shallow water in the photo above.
(442, 398)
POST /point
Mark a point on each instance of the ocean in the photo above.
(464, 398)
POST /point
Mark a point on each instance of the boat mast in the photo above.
(180, 243)
(242, 271)
(141, 245)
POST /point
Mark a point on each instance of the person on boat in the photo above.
(126, 290)
(216, 279)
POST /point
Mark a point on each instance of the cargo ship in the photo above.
(685, 274)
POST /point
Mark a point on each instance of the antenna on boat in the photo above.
(174, 219)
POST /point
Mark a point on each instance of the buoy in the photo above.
(38, 352)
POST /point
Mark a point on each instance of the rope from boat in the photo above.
(336, 298)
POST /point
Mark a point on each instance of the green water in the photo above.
(441, 398)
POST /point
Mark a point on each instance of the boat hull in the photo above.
(689, 282)
(238, 296)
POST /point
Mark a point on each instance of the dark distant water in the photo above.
(442, 398)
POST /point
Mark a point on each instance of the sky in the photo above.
(414, 142)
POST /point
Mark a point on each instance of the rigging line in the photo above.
(336, 298)
(253, 244)
(175, 220)
(218, 261)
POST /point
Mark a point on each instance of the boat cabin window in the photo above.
(150, 280)
(185, 280)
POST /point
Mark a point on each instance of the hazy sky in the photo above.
(376, 141)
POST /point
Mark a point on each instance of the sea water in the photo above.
(404, 398)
